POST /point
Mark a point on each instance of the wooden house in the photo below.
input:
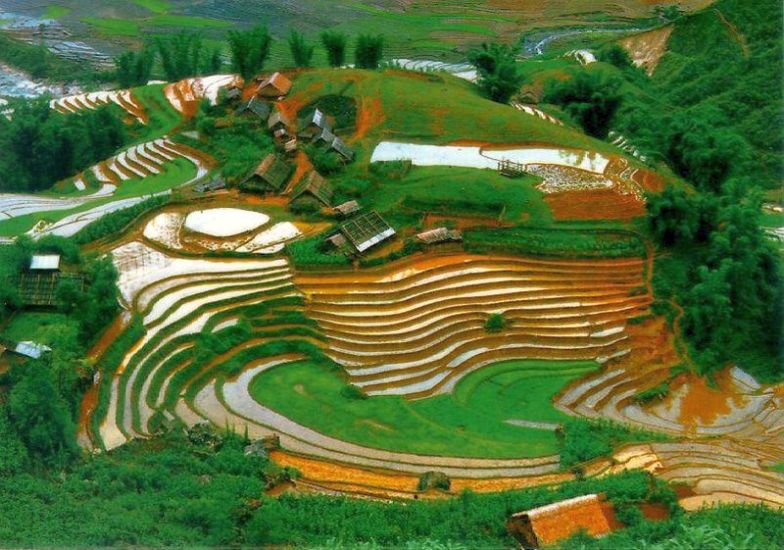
(273, 86)
(547, 525)
(255, 107)
(315, 185)
(277, 122)
(314, 125)
(339, 146)
(347, 208)
(270, 175)
(439, 235)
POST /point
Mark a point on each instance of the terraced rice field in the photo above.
(93, 100)
(416, 328)
(186, 94)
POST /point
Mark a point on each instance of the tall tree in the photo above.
(497, 73)
(181, 55)
(249, 50)
(335, 44)
(590, 97)
(369, 51)
(301, 51)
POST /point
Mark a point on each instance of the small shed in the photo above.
(314, 125)
(315, 185)
(233, 92)
(346, 208)
(273, 172)
(439, 235)
(291, 146)
(275, 85)
(366, 230)
(215, 184)
(255, 107)
(278, 121)
(340, 147)
(31, 350)
(45, 262)
(549, 524)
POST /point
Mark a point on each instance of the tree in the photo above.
(369, 51)
(214, 62)
(40, 416)
(181, 55)
(301, 52)
(249, 50)
(497, 73)
(700, 149)
(590, 97)
(335, 45)
(134, 69)
(616, 55)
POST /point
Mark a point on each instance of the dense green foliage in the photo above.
(249, 50)
(368, 51)
(335, 45)
(134, 68)
(182, 55)
(112, 223)
(41, 146)
(301, 51)
(561, 241)
(590, 97)
(476, 520)
(736, 527)
(498, 76)
(728, 58)
(725, 273)
(582, 440)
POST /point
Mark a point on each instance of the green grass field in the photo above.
(469, 422)
(461, 191)
(54, 11)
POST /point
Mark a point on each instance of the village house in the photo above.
(339, 146)
(256, 107)
(274, 86)
(315, 185)
(270, 175)
(347, 208)
(314, 125)
(439, 235)
(555, 522)
(278, 124)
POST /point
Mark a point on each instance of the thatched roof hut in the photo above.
(315, 185)
(275, 85)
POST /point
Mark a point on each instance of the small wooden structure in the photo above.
(278, 121)
(275, 85)
(314, 125)
(233, 92)
(511, 169)
(253, 106)
(316, 186)
(549, 524)
(31, 350)
(325, 137)
(272, 172)
(38, 284)
(216, 184)
(340, 147)
(347, 208)
(291, 147)
(439, 235)
(366, 230)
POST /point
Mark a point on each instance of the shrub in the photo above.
(391, 170)
(495, 323)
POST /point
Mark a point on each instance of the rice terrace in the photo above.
(391, 274)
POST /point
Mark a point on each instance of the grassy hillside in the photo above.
(729, 56)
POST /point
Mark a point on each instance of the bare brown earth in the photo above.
(647, 48)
